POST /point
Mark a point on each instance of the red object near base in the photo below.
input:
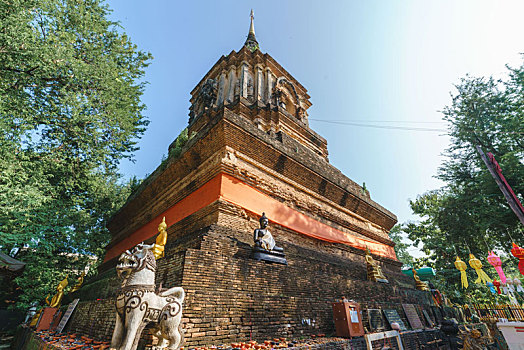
(46, 319)
(348, 319)
(56, 321)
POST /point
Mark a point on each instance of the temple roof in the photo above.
(9, 264)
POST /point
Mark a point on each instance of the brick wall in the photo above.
(231, 297)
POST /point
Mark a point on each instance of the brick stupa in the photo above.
(250, 151)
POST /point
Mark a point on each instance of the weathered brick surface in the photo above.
(204, 157)
(231, 297)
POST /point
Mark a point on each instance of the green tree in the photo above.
(70, 110)
(401, 247)
(470, 213)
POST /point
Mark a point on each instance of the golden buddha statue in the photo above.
(418, 283)
(79, 282)
(57, 298)
(35, 318)
(161, 240)
(374, 270)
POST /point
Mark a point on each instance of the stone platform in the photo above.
(232, 297)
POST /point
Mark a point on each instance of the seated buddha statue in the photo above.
(161, 240)
(265, 247)
(374, 270)
(418, 283)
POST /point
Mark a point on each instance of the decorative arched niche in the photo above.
(287, 98)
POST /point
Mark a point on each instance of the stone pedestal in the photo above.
(276, 255)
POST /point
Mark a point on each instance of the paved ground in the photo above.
(5, 341)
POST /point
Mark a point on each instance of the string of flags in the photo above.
(504, 285)
(482, 277)
(461, 266)
(518, 253)
(495, 261)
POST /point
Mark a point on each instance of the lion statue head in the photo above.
(138, 258)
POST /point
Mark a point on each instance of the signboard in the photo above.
(429, 321)
(437, 313)
(376, 321)
(354, 316)
(393, 316)
(412, 315)
(66, 316)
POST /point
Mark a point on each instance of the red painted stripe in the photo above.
(224, 186)
(199, 199)
(249, 198)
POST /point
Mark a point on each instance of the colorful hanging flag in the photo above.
(518, 285)
(497, 285)
(477, 266)
(495, 261)
(461, 266)
(511, 288)
(518, 253)
(491, 287)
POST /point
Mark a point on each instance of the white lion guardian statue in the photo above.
(138, 304)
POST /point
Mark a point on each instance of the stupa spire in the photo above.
(251, 41)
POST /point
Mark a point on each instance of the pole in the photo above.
(505, 191)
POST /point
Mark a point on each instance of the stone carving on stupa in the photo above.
(249, 78)
(139, 303)
(374, 270)
(205, 99)
(265, 248)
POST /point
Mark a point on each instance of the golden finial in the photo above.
(252, 26)
(161, 240)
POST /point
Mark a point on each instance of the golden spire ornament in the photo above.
(462, 267)
(161, 240)
(475, 263)
(251, 41)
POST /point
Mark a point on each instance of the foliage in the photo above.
(70, 110)
(176, 147)
(470, 213)
(401, 247)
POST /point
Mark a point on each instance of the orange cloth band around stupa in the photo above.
(228, 188)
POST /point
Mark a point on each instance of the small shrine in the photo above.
(265, 247)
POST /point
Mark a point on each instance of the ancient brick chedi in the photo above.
(250, 151)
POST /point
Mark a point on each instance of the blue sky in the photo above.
(380, 62)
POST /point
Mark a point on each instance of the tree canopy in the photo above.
(70, 111)
(470, 213)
